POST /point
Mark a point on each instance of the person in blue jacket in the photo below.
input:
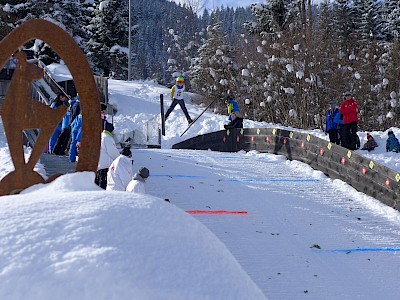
(76, 134)
(392, 143)
(60, 100)
(233, 107)
(338, 119)
(331, 127)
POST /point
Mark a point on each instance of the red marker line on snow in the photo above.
(215, 212)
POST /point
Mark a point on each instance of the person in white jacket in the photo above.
(120, 172)
(108, 153)
(137, 183)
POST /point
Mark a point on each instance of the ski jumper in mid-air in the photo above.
(177, 97)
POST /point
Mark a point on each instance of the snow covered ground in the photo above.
(296, 234)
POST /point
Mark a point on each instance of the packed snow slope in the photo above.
(305, 236)
(72, 240)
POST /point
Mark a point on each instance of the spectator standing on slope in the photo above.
(339, 121)
(350, 119)
(108, 153)
(331, 127)
(76, 134)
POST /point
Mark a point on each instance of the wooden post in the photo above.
(162, 115)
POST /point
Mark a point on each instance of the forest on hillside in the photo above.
(283, 60)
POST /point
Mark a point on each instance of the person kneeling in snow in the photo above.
(236, 122)
(120, 172)
(392, 143)
(370, 144)
(137, 183)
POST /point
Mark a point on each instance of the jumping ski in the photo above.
(194, 121)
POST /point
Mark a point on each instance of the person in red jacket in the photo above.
(350, 120)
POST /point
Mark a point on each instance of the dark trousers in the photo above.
(333, 136)
(341, 136)
(181, 103)
(101, 178)
(350, 135)
(62, 142)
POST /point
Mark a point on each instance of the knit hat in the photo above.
(332, 102)
(109, 127)
(228, 98)
(126, 152)
(103, 106)
(369, 136)
(347, 94)
(390, 132)
(144, 172)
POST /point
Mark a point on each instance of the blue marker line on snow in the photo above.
(237, 180)
(208, 156)
(271, 180)
(178, 176)
(384, 249)
(214, 157)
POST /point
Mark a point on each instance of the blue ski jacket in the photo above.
(330, 119)
(392, 143)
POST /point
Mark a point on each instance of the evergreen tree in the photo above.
(214, 71)
(392, 19)
(69, 15)
(365, 15)
(107, 48)
(343, 24)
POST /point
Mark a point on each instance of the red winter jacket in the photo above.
(349, 111)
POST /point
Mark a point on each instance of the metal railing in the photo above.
(148, 136)
(50, 80)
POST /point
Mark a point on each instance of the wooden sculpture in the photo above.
(20, 112)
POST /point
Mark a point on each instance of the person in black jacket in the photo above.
(60, 101)
(236, 122)
(75, 109)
